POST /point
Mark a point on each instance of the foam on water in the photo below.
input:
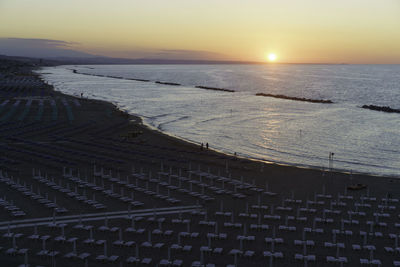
(277, 130)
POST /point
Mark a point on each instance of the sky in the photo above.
(297, 31)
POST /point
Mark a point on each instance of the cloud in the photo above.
(40, 42)
(48, 48)
(39, 48)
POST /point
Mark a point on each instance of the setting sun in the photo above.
(272, 57)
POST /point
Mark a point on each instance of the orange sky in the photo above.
(311, 31)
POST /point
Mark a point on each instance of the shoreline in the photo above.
(357, 176)
(228, 152)
(225, 151)
(265, 161)
(135, 117)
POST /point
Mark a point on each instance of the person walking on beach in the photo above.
(207, 146)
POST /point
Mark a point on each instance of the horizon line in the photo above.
(144, 61)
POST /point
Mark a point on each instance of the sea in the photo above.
(282, 131)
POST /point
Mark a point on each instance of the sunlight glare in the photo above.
(272, 57)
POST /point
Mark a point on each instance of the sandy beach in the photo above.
(69, 166)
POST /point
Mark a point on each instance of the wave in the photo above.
(159, 116)
(172, 121)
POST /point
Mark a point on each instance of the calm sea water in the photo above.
(276, 130)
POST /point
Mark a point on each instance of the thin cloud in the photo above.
(39, 42)
(45, 48)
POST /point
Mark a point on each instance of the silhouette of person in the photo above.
(207, 146)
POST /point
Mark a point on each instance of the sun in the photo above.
(272, 57)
